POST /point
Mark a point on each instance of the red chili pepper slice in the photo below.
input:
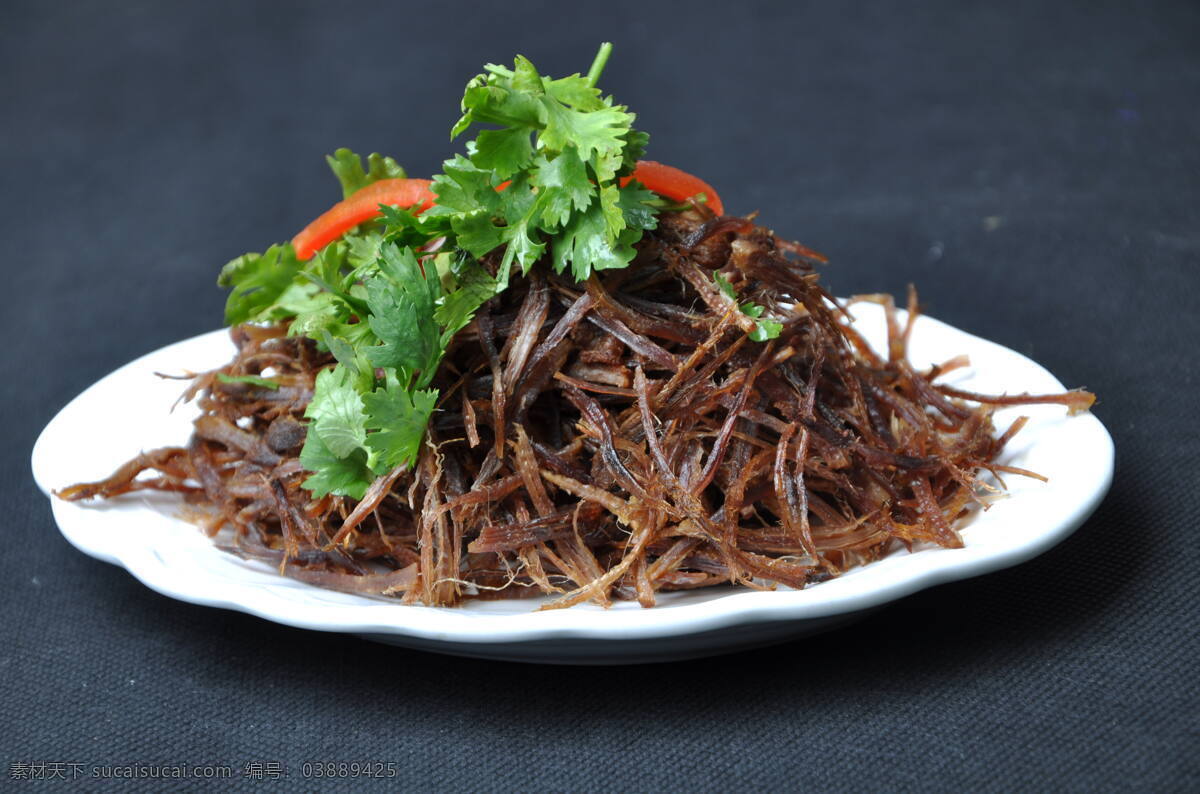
(407, 193)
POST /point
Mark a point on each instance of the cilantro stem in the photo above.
(593, 75)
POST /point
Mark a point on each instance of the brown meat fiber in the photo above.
(610, 440)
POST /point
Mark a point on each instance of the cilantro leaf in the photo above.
(401, 301)
(766, 329)
(576, 92)
(337, 412)
(348, 476)
(257, 281)
(522, 245)
(475, 232)
(635, 147)
(350, 356)
(321, 312)
(503, 152)
(724, 285)
(598, 132)
(637, 207)
(342, 350)
(362, 247)
(400, 418)
(503, 97)
(584, 245)
(328, 270)
(563, 187)
(474, 286)
(463, 187)
(347, 167)
(403, 227)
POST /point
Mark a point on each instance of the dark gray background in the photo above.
(142, 145)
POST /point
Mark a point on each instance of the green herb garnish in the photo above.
(764, 327)
(562, 148)
(542, 178)
(251, 380)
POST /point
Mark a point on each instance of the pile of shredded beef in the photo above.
(610, 440)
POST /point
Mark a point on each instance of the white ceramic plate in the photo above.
(131, 410)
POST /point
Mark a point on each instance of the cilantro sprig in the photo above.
(368, 413)
(764, 327)
(562, 149)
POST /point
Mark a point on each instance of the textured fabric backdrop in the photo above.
(1035, 171)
